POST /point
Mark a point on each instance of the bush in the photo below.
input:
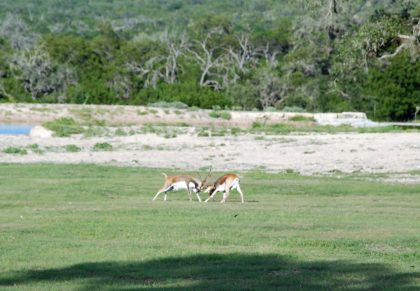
(72, 148)
(15, 151)
(395, 89)
(120, 132)
(35, 148)
(302, 118)
(64, 127)
(102, 147)
(164, 104)
(244, 96)
(220, 114)
(185, 92)
(95, 131)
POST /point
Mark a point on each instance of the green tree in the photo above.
(395, 88)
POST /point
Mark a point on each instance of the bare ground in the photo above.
(307, 154)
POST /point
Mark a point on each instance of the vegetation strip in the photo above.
(322, 56)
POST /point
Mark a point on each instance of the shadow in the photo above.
(219, 272)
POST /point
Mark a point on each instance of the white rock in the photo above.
(355, 119)
(353, 115)
(39, 131)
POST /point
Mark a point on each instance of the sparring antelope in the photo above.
(224, 184)
(179, 182)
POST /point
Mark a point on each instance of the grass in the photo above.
(220, 114)
(15, 151)
(120, 132)
(165, 130)
(217, 131)
(85, 114)
(170, 135)
(302, 118)
(64, 126)
(164, 104)
(82, 227)
(72, 148)
(139, 112)
(42, 109)
(287, 128)
(92, 131)
(103, 146)
(152, 148)
(35, 148)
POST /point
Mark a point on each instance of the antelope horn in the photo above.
(208, 176)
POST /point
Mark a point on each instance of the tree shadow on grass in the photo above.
(219, 272)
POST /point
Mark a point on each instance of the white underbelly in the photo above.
(222, 187)
(182, 186)
(235, 184)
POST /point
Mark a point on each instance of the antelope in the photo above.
(183, 181)
(224, 184)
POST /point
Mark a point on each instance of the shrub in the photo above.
(395, 89)
(203, 132)
(15, 151)
(35, 148)
(235, 131)
(278, 128)
(72, 148)
(142, 112)
(220, 114)
(63, 127)
(95, 131)
(170, 135)
(219, 132)
(102, 147)
(120, 132)
(302, 118)
(182, 124)
(164, 104)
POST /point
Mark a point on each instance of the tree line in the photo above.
(317, 56)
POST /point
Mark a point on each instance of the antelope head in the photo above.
(224, 184)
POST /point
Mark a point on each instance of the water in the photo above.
(15, 129)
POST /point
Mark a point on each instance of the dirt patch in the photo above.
(306, 154)
(115, 115)
(186, 150)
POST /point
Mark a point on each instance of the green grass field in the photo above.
(84, 227)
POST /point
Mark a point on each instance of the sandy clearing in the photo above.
(306, 154)
(117, 115)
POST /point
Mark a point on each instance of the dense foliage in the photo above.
(323, 55)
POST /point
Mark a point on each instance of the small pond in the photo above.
(15, 129)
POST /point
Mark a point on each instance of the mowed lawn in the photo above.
(85, 227)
